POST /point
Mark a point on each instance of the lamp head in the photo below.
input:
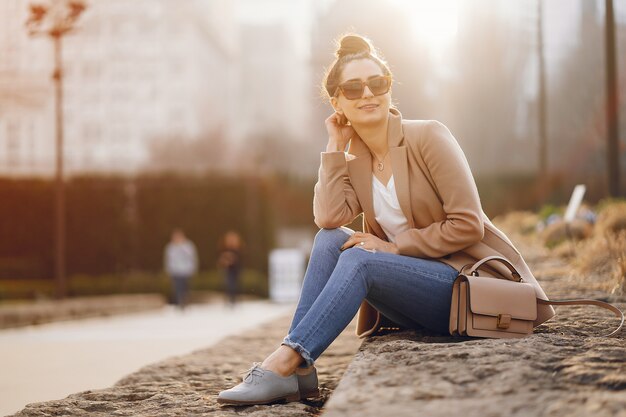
(76, 9)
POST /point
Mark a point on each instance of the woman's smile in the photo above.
(368, 107)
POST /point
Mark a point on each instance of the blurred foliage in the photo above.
(26, 222)
(190, 154)
(597, 256)
(523, 222)
(118, 227)
(250, 282)
(609, 202)
(548, 210)
(504, 193)
(612, 219)
(11, 289)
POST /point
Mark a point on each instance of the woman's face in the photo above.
(232, 240)
(368, 109)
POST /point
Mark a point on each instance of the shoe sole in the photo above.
(310, 394)
(287, 398)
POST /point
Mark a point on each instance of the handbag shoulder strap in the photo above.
(618, 313)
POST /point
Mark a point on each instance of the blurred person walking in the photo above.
(229, 261)
(422, 222)
(181, 264)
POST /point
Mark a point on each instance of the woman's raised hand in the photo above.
(339, 132)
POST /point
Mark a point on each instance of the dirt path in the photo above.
(188, 385)
(51, 361)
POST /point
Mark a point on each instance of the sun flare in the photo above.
(434, 23)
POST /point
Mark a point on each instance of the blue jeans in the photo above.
(231, 276)
(181, 289)
(412, 292)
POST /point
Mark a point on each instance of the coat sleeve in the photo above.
(334, 201)
(455, 185)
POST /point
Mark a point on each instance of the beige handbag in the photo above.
(499, 308)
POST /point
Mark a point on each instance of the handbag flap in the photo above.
(492, 296)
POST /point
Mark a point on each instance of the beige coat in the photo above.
(437, 194)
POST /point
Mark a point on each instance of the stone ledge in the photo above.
(567, 368)
(550, 373)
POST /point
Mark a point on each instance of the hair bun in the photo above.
(352, 44)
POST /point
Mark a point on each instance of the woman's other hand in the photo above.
(339, 132)
(226, 259)
(370, 242)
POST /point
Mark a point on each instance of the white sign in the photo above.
(286, 267)
(574, 202)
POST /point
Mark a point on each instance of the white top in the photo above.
(181, 258)
(387, 211)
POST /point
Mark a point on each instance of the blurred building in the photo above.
(272, 120)
(135, 73)
(25, 95)
(577, 126)
(493, 101)
(272, 82)
(491, 98)
(235, 84)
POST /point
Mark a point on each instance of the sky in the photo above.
(295, 14)
(436, 21)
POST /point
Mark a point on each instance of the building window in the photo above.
(91, 71)
(13, 143)
(91, 133)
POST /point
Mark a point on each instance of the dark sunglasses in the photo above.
(353, 89)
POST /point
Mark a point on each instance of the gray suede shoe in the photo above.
(261, 386)
(307, 382)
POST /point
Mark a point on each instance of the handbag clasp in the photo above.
(504, 321)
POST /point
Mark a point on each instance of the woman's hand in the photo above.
(370, 242)
(339, 132)
(226, 259)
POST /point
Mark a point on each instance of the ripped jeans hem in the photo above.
(308, 361)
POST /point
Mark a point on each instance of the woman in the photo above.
(422, 222)
(229, 261)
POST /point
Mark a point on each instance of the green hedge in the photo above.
(250, 282)
(116, 225)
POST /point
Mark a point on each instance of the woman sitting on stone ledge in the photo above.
(422, 221)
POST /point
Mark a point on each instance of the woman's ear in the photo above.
(335, 104)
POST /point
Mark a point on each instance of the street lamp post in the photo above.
(612, 102)
(55, 21)
(542, 108)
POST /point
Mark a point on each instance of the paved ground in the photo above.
(51, 361)
(188, 385)
(15, 314)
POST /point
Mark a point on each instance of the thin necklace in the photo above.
(380, 165)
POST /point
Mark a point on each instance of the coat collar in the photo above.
(360, 171)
